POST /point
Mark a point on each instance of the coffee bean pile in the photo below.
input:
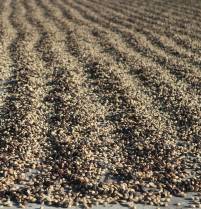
(100, 102)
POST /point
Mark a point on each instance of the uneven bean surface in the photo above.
(100, 102)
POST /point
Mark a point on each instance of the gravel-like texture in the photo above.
(100, 102)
